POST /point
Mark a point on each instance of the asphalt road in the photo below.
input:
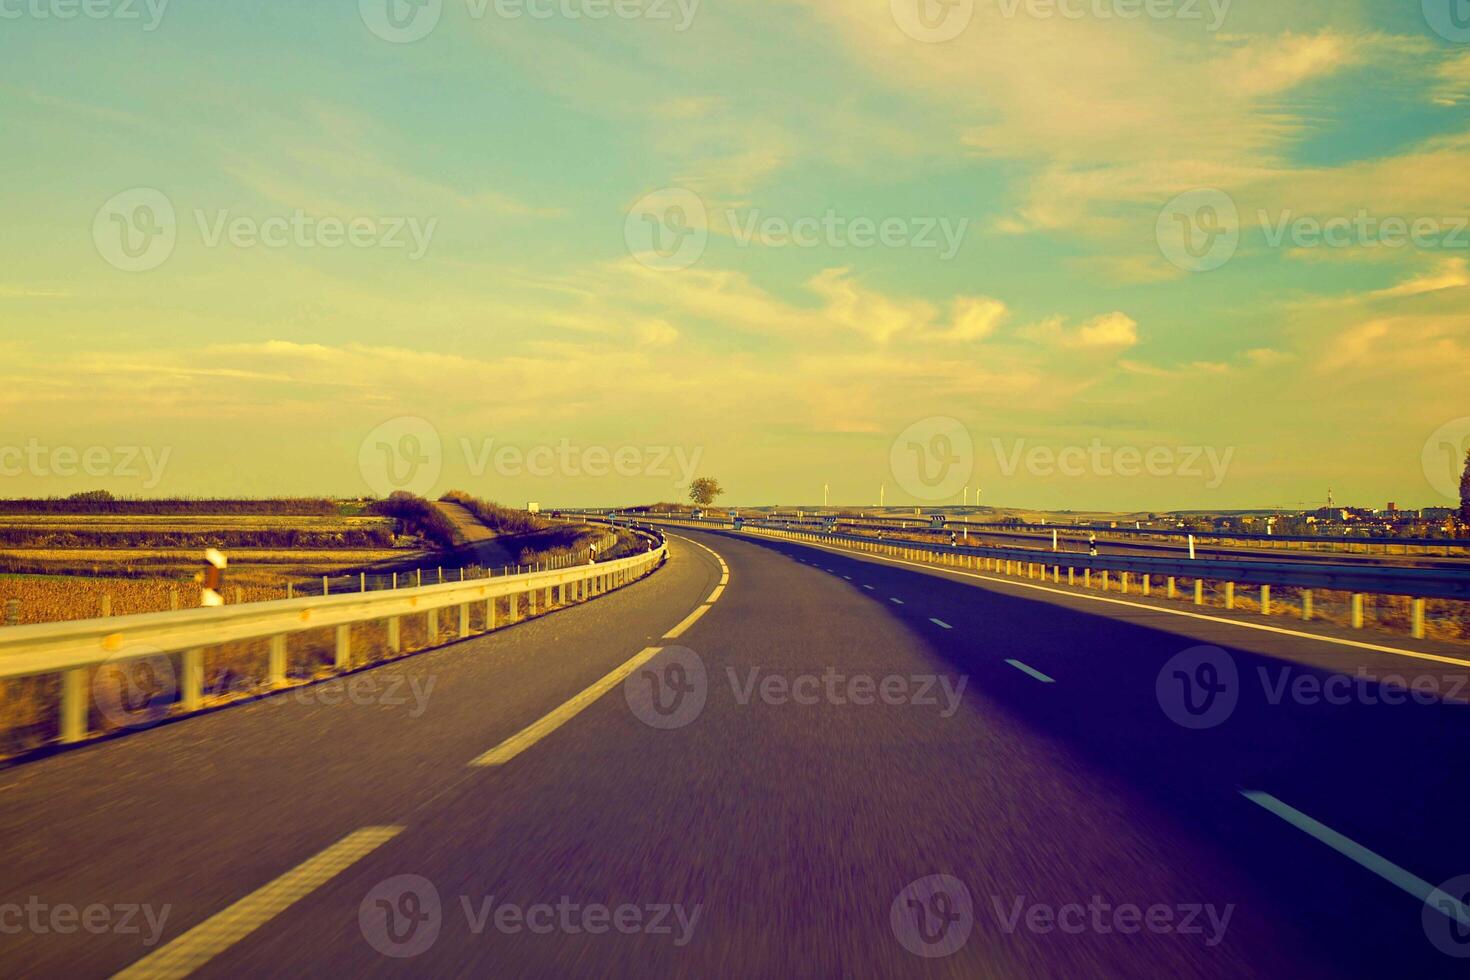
(772, 794)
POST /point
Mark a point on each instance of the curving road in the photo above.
(804, 741)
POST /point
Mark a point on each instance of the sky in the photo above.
(1082, 254)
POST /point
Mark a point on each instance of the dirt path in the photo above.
(470, 533)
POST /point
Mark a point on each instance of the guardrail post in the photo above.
(1416, 618)
(489, 614)
(433, 626)
(395, 635)
(278, 660)
(74, 705)
(1306, 605)
(1199, 592)
(1265, 600)
(1229, 595)
(464, 620)
(531, 602)
(344, 646)
(1357, 610)
(192, 692)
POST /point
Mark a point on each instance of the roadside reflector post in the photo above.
(290, 590)
(106, 605)
(1229, 595)
(1265, 600)
(1105, 580)
(192, 693)
(1146, 584)
(326, 587)
(344, 646)
(1357, 610)
(1124, 582)
(1306, 605)
(1416, 619)
(362, 581)
(1071, 575)
(1199, 592)
(395, 580)
(418, 577)
(441, 574)
(74, 705)
(12, 612)
(1087, 578)
(278, 660)
(1172, 590)
(173, 596)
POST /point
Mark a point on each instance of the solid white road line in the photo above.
(940, 623)
(895, 601)
(954, 572)
(868, 587)
(535, 732)
(1032, 671)
(219, 932)
(1448, 905)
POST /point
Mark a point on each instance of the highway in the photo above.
(752, 763)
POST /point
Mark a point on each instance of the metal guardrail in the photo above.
(1430, 583)
(1416, 583)
(1019, 530)
(74, 649)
